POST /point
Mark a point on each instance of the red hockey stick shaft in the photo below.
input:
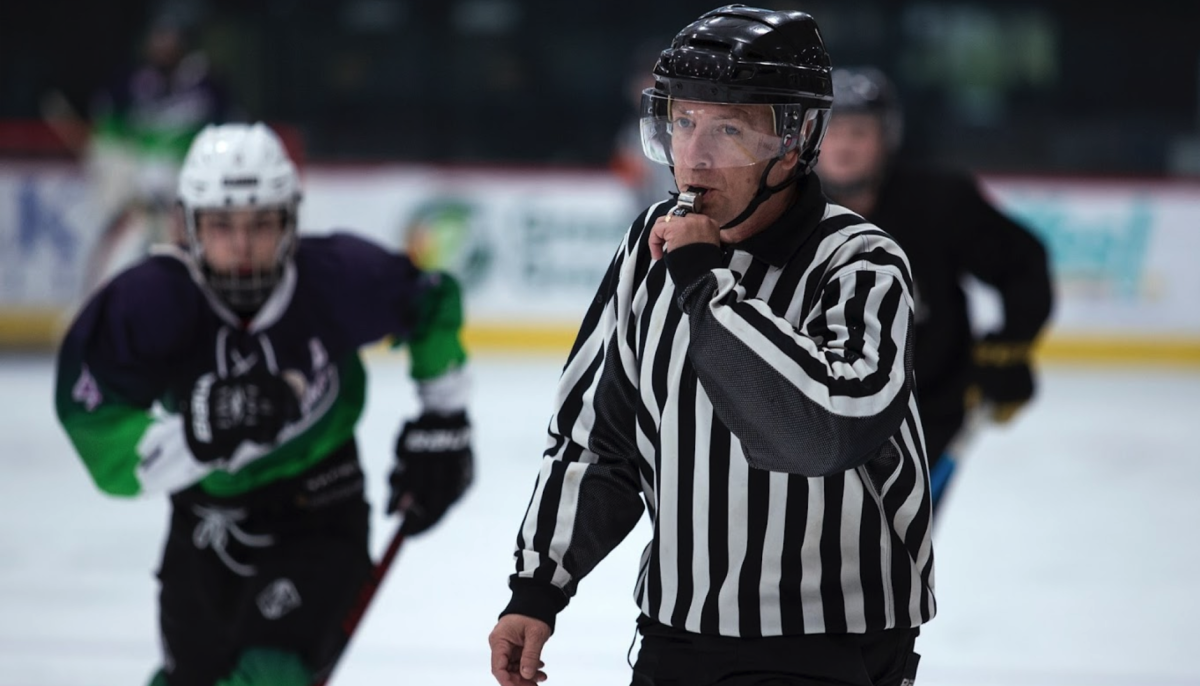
(365, 596)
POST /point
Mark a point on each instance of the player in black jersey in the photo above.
(949, 230)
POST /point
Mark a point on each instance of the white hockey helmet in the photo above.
(239, 166)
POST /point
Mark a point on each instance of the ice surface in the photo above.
(1068, 553)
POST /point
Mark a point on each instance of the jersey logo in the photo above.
(87, 391)
(278, 598)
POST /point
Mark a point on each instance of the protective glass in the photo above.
(706, 134)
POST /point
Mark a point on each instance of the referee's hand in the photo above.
(516, 644)
(671, 232)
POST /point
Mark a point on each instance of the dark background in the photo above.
(1058, 86)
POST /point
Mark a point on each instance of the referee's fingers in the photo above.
(658, 238)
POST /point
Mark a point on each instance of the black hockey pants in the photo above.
(276, 568)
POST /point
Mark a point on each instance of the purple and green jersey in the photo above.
(140, 343)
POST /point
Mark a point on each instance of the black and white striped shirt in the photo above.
(764, 413)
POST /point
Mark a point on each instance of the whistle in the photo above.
(688, 201)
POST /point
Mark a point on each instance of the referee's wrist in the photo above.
(533, 598)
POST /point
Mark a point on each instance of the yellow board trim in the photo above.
(1098, 349)
(39, 328)
(31, 328)
(532, 339)
(1119, 350)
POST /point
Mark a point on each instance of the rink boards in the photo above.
(531, 245)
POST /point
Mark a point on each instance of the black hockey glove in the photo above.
(220, 413)
(434, 466)
(1003, 378)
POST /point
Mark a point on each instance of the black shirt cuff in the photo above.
(690, 262)
(537, 599)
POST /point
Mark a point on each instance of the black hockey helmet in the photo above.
(866, 90)
(747, 55)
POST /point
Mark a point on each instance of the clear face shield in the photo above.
(692, 134)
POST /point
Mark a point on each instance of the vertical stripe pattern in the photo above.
(764, 416)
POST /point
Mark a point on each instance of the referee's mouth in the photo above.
(698, 188)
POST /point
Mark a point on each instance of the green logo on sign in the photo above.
(443, 234)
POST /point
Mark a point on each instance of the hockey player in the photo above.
(142, 125)
(225, 373)
(949, 230)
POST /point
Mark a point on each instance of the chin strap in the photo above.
(764, 193)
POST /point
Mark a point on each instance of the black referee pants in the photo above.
(671, 657)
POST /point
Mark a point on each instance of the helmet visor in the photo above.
(695, 134)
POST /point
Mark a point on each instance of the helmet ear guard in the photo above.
(802, 129)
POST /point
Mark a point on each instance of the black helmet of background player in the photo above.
(746, 56)
(866, 90)
(864, 133)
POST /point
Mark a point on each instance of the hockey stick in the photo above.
(365, 595)
(943, 472)
(119, 210)
(67, 124)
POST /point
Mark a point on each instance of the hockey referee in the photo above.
(744, 374)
